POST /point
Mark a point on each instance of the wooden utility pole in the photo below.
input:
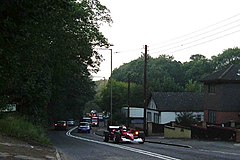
(128, 102)
(145, 90)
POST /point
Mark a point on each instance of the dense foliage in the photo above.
(47, 54)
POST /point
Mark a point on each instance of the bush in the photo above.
(19, 127)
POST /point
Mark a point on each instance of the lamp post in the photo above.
(110, 81)
(111, 89)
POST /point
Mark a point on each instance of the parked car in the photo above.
(60, 125)
(119, 134)
(70, 122)
(84, 127)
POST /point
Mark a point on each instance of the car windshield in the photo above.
(60, 122)
(83, 124)
(94, 120)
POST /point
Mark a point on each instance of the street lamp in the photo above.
(110, 80)
(111, 89)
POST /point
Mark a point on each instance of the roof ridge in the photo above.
(225, 71)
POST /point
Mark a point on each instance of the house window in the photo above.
(211, 88)
(156, 118)
(212, 117)
(149, 116)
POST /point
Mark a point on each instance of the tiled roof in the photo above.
(178, 101)
(231, 73)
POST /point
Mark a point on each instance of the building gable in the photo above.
(230, 75)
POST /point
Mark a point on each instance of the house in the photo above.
(222, 96)
(136, 115)
(169, 104)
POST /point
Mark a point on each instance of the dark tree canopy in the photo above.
(47, 54)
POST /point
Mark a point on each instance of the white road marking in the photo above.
(140, 151)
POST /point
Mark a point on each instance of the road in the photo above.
(77, 146)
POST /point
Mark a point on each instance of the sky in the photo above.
(179, 28)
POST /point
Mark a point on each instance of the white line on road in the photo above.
(156, 155)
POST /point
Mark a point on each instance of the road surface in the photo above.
(77, 146)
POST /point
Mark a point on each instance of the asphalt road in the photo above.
(77, 146)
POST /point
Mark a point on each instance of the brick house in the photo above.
(222, 96)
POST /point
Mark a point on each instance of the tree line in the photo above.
(47, 55)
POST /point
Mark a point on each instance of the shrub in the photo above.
(19, 127)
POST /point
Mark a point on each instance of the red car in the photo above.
(60, 125)
(119, 134)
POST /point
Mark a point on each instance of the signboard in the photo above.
(9, 108)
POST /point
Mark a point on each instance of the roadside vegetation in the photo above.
(19, 127)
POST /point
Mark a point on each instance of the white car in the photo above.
(70, 122)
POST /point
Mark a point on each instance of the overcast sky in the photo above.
(179, 28)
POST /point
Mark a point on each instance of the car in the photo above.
(70, 122)
(86, 119)
(119, 134)
(60, 125)
(95, 121)
(84, 127)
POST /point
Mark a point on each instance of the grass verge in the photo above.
(18, 127)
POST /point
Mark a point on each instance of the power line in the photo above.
(183, 40)
(200, 39)
(202, 42)
(199, 35)
(171, 41)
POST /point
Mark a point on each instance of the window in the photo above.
(156, 118)
(212, 116)
(149, 116)
(211, 88)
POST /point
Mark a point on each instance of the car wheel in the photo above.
(117, 138)
(106, 137)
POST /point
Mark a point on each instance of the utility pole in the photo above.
(128, 102)
(145, 90)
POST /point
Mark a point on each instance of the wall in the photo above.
(177, 132)
(223, 117)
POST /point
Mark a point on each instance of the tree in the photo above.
(185, 119)
(228, 57)
(197, 68)
(193, 86)
(47, 54)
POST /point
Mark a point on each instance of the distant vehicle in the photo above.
(119, 134)
(93, 113)
(60, 125)
(86, 119)
(100, 117)
(70, 122)
(84, 127)
(95, 121)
